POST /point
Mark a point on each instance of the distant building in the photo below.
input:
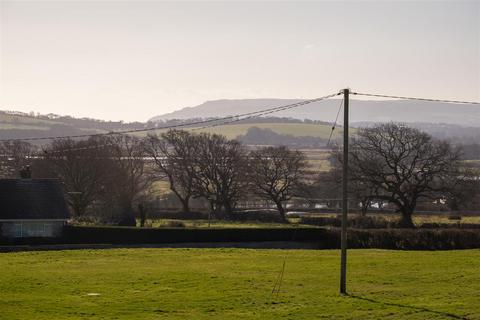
(31, 208)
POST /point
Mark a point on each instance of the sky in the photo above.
(134, 60)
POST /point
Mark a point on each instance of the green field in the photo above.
(418, 220)
(237, 284)
(9, 122)
(159, 223)
(232, 131)
(294, 129)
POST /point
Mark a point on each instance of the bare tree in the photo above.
(464, 189)
(129, 178)
(326, 187)
(14, 156)
(277, 174)
(82, 167)
(360, 193)
(219, 171)
(174, 158)
(401, 165)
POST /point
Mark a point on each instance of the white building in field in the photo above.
(32, 208)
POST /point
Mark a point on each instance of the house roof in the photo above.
(32, 199)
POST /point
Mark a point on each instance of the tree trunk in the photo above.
(127, 218)
(212, 206)
(406, 219)
(365, 205)
(228, 208)
(78, 209)
(215, 209)
(185, 205)
(281, 209)
(143, 215)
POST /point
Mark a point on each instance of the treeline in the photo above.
(403, 167)
(49, 131)
(15, 117)
(113, 176)
(265, 136)
(250, 120)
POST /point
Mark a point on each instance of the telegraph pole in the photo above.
(343, 263)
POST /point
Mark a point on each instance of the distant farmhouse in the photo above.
(31, 208)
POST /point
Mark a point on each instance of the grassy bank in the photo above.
(237, 284)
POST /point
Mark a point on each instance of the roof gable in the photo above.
(32, 199)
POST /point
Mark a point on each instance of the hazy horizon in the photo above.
(135, 60)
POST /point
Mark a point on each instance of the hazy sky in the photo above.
(133, 60)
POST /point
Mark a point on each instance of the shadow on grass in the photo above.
(445, 314)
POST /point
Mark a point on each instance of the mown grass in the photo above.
(237, 284)
(201, 223)
(421, 219)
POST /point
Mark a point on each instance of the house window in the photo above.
(48, 229)
(33, 229)
(17, 230)
(25, 229)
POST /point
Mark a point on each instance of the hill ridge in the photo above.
(360, 110)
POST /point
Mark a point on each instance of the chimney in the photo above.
(26, 173)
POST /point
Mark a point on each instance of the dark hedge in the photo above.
(404, 239)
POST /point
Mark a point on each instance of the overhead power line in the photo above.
(233, 118)
(414, 98)
(335, 122)
(265, 112)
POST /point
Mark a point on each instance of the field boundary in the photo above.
(324, 238)
(290, 245)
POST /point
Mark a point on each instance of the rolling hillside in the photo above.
(272, 130)
(360, 110)
(17, 125)
(14, 126)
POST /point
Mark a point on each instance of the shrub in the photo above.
(404, 239)
(450, 226)
(454, 217)
(173, 224)
(85, 220)
(179, 215)
(357, 221)
(127, 220)
(128, 235)
(413, 239)
(266, 215)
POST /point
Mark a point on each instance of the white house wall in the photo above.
(28, 229)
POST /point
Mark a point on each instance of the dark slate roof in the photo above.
(32, 199)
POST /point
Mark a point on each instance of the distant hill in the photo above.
(19, 125)
(288, 128)
(360, 110)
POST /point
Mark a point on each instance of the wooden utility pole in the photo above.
(343, 263)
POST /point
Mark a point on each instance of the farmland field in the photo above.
(156, 223)
(418, 220)
(237, 284)
(294, 129)
(231, 131)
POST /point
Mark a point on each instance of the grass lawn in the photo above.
(158, 223)
(237, 284)
(294, 222)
